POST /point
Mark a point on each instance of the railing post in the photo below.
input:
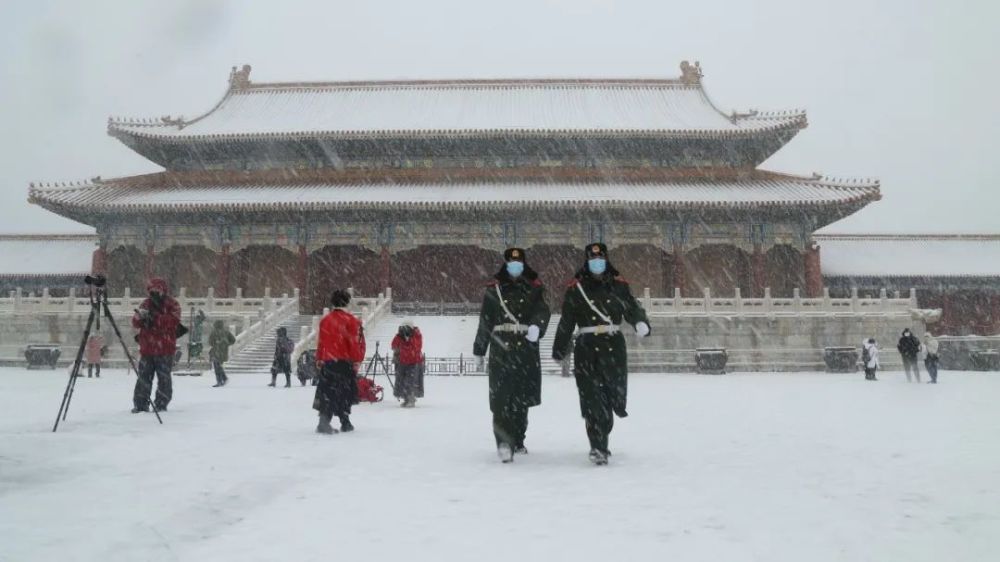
(210, 299)
(238, 307)
(71, 300)
(350, 291)
(883, 298)
(796, 299)
(827, 307)
(296, 294)
(768, 304)
(678, 304)
(707, 297)
(388, 293)
(268, 301)
(913, 297)
(738, 297)
(127, 300)
(45, 299)
(854, 299)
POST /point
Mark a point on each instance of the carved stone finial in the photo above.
(691, 73)
(240, 79)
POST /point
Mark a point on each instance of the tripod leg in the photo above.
(71, 384)
(128, 354)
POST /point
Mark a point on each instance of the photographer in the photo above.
(156, 319)
(408, 347)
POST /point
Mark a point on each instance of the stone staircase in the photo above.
(256, 357)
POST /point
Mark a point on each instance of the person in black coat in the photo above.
(909, 349)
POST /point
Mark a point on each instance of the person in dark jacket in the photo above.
(340, 349)
(596, 302)
(514, 316)
(156, 319)
(219, 342)
(282, 363)
(408, 355)
(909, 349)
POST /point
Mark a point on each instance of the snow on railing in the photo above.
(737, 305)
(269, 317)
(369, 309)
(19, 303)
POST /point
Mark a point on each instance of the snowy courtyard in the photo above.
(739, 467)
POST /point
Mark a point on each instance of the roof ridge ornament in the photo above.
(239, 79)
(691, 74)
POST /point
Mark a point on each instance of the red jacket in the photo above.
(159, 337)
(341, 338)
(410, 351)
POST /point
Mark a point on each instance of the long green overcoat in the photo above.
(219, 341)
(514, 367)
(600, 361)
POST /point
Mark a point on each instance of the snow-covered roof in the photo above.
(172, 192)
(40, 255)
(677, 107)
(909, 255)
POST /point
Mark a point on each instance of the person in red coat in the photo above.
(340, 349)
(408, 348)
(156, 319)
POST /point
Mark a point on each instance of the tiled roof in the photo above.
(45, 255)
(909, 255)
(463, 107)
(179, 192)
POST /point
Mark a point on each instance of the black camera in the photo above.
(96, 280)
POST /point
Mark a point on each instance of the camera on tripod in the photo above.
(95, 280)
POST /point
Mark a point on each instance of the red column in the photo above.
(758, 273)
(385, 273)
(302, 275)
(99, 262)
(680, 269)
(222, 273)
(150, 262)
(813, 273)
(995, 313)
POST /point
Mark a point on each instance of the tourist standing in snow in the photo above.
(869, 358)
(219, 341)
(282, 363)
(596, 302)
(909, 349)
(514, 316)
(931, 346)
(95, 354)
(339, 352)
(408, 349)
(156, 319)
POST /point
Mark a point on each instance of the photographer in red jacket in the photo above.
(408, 349)
(156, 319)
(339, 350)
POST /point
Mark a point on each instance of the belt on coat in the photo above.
(516, 328)
(599, 329)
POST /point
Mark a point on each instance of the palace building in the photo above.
(420, 185)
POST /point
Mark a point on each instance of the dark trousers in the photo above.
(932, 367)
(911, 364)
(159, 365)
(281, 365)
(91, 367)
(510, 425)
(337, 389)
(407, 382)
(870, 373)
(220, 373)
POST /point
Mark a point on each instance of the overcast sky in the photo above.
(905, 91)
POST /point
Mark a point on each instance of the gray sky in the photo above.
(900, 90)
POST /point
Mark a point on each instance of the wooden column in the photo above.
(150, 262)
(813, 273)
(758, 272)
(99, 262)
(680, 269)
(302, 276)
(222, 273)
(385, 270)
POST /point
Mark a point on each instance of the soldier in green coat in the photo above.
(219, 341)
(513, 318)
(596, 302)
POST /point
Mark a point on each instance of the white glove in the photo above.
(533, 333)
(480, 363)
(642, 329)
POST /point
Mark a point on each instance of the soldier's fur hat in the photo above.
(514, 254)
(596, 250)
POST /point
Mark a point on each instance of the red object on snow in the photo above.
(368, 391)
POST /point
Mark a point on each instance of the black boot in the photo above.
(273, 378)
(324, 425)
(345, 424)
(288, 381)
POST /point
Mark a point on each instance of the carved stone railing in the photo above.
(739, 306)
(79, 303)
(269, 317)
(369, 309)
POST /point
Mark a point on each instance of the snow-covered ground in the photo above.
(738, 467)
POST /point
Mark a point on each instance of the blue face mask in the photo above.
(515, 268)
(597, 265)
